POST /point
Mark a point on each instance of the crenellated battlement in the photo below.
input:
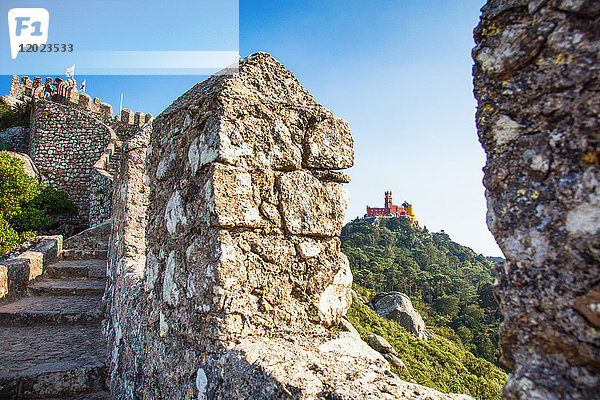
(23, 89)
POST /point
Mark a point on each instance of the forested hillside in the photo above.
(437, 363)
(448, 283)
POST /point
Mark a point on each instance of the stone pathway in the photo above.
(51, 342)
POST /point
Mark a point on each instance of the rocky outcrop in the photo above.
(398, 307)
(380, 344)
(243, 270)
(536, 73)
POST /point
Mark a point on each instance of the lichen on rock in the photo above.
(536, 81)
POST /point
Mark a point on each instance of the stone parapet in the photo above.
(17, 270)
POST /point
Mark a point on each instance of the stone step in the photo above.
(77, 269)
(67, 287)
(40, 310)
(77, 254)
(88, 396)
(48, 361)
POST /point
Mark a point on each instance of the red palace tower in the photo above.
(391, 210)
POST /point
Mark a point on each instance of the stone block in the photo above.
(50, 247)
(233, 197)
(85, 101)
(310, 207)
(330, 145)
(138, 118)
(127, 116)
(73, 95)
(106, 111)
(22, 269)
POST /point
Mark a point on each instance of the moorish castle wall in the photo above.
(74, 141)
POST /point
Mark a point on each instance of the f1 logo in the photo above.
(27, 26)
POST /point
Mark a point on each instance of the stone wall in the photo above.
(64, 145)
(15, 138)
(100, 198)
(537, 82)
(127, 306)
(127, 123)
(243, 266)
(69, 140)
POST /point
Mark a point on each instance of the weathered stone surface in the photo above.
(330, 145)
(233, 283)
(311, 207)
(15, 138)
(128, 315)
(52, 341)
(27, 265)
(239, 279)
(95, 238)
(536, 81)
(380, 344)
(398, 307)
(347, 326)
(306, 366)
(51, 361)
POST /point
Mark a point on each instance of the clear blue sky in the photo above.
(398, 71)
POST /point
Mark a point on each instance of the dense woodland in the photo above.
(449, 284)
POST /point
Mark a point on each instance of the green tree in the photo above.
(26, 205)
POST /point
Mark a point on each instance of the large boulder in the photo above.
(398, 307)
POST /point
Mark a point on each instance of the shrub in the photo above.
(14, 117)
(10, 238)
(26, 205)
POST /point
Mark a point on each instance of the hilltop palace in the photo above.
(391, 210)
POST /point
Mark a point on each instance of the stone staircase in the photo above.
(115, 158)
(51, 341)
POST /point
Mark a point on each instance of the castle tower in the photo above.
(388, 200)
